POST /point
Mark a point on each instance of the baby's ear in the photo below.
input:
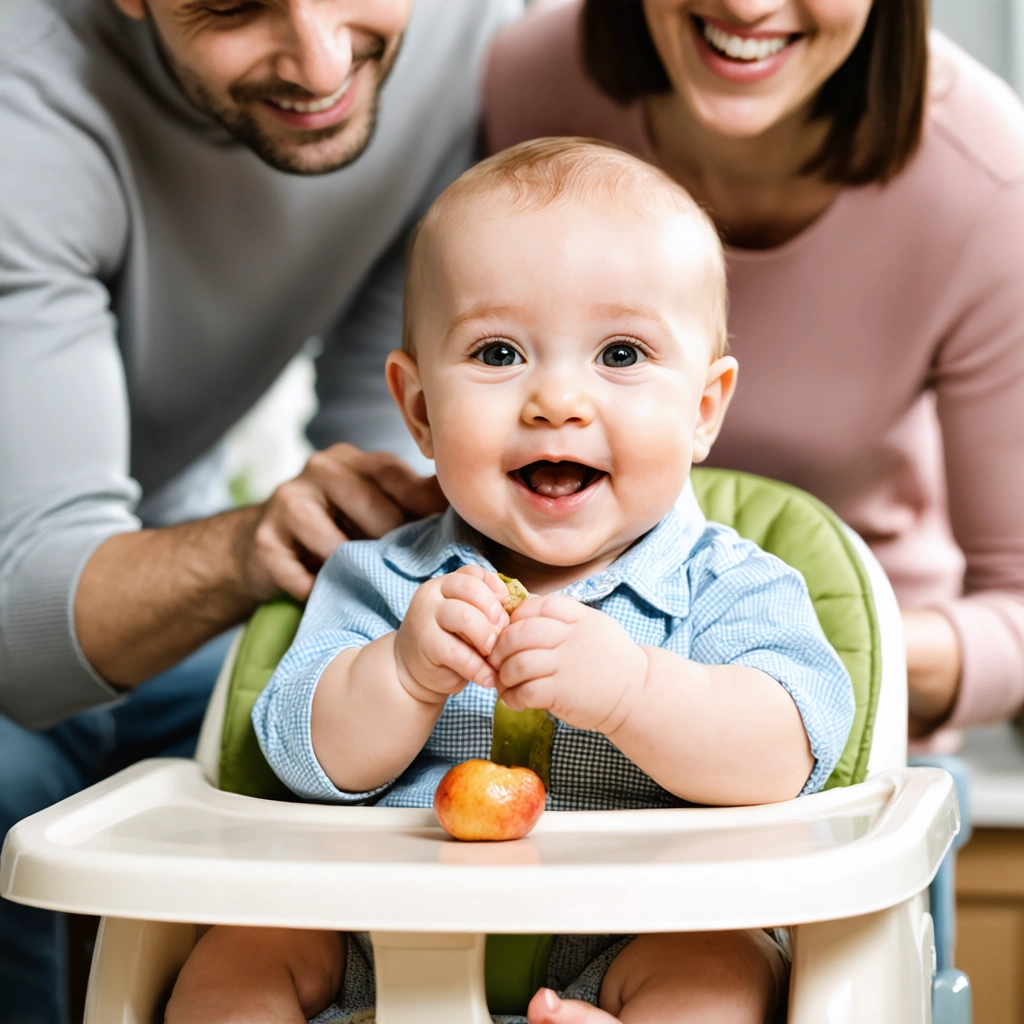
(718, 392)
(403, 376)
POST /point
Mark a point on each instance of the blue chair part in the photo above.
(951, 988)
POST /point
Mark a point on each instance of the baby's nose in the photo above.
(559, 401)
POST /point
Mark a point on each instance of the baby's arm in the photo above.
(375, 705)
(745, 702)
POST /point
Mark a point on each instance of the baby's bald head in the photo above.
(546, 172)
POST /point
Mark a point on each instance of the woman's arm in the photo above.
(978, 377)
(933, 668)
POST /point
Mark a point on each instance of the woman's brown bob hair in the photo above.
(874, 102)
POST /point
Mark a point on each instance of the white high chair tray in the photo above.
(158, 842)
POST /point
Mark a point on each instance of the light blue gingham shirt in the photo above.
(690, 586)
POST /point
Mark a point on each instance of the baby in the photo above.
(564, 365)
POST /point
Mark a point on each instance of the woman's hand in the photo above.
(933, 669)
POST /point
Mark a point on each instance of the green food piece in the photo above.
(517, 593)
(522, 739)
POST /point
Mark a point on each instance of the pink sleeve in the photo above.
(979, 380)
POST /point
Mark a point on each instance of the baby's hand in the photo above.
(452, 625)
(571, 660)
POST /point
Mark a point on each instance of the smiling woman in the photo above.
(871, 107)
(868, 181)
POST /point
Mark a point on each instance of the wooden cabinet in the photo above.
(990, 923)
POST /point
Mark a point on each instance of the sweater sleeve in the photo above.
(64, 482)
(978, 375)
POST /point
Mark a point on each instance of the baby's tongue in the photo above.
(555, 479)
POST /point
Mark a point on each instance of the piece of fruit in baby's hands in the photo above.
(482, 800)
(517, 593)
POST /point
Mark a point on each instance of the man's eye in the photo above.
(498, 353)
(235, 11)
(620, 353)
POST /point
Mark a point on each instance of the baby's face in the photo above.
(565, 374)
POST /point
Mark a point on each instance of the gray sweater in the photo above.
(155, 277)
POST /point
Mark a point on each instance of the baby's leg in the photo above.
(699, 978)
(258, 976)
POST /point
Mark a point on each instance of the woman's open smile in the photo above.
(739, 54)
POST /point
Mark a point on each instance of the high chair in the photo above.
(168, 845)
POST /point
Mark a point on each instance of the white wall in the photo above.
(992, 30)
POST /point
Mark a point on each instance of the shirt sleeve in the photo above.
(979, 382)
(345, 610)
(64, 480)
(750, 608)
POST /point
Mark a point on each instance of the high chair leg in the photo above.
(874, 969)
(424, 978)
(134, 965)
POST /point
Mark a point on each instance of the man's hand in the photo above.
(342, 494)
(452, 624)
(574, 661)
(146, 598)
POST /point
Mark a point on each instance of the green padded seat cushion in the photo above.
(806, 534)
(266, 637)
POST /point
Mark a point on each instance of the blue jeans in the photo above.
(160, 718)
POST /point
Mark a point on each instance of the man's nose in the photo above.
(558, 401)
(316, 47)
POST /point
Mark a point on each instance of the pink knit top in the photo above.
(881, 350)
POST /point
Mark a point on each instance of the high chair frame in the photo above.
(158, 847)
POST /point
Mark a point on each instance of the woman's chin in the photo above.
(737, 117)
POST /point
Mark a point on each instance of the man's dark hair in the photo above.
(874, 103)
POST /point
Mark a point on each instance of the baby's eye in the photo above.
(498, 353)
(621, 353)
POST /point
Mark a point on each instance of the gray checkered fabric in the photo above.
(692, 587)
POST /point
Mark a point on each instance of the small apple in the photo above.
(483, 800)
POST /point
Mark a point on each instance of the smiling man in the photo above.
(189, 190)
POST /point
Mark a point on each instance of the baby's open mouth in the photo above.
(556, 479)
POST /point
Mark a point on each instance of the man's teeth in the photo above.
(315, 106)
(743, 48)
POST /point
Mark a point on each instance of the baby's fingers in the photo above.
(536, 692)
(469, 623)
(495, 585)
(459, 657)
(470, 584)
(525, 635)
(550, 606)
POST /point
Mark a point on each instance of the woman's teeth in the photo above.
(741, 47)
(315, 106)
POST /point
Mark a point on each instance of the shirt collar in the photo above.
(651, 568)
